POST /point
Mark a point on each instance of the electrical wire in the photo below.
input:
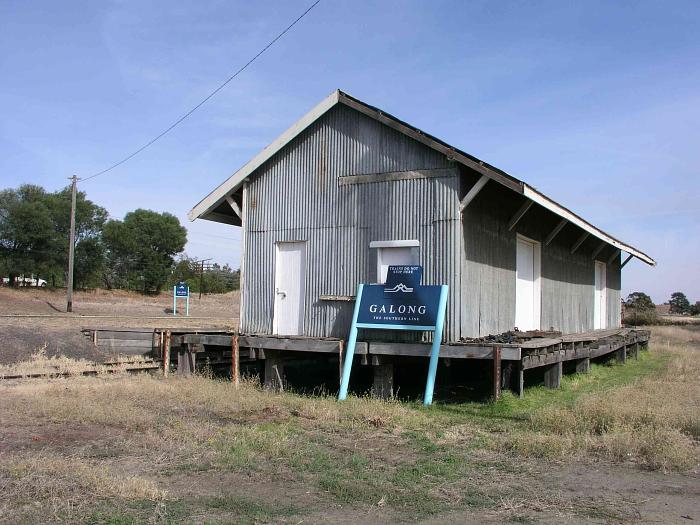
(205, 99)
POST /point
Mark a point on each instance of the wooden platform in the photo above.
(183, 349)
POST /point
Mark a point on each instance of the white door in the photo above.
(600, 297)
(527, 285)
(290, 272)
(394, 256)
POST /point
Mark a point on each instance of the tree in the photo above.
(679, 303)
(89, 250)
(695, 309)
(140, 249)
(34, 232)
(639, 301)
(27, 242)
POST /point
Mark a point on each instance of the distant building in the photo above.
(349, 189)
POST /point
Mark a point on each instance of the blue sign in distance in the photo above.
(401, 301)
(182, 290)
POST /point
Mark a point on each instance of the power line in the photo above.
(205, 99)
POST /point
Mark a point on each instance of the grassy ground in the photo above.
(140, 449)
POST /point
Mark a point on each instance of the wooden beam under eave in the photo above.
(629, 257)
(598, 249)
(519, 215)
(473, 192)
(234, 206)
(579, 242)
(559, 227)
(615, 254)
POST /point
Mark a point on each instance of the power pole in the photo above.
(71, 246)
(201, 277)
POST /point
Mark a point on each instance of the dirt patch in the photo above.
(33, 319)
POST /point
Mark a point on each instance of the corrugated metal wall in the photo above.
(296, 196)
(488, 274)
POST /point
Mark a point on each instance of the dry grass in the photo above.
(654, 420)
(117, 443)
(57, 366)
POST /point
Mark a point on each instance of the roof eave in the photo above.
(544, 201)
(231, 184)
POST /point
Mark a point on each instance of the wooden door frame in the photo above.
(302, 294)
(537, 277)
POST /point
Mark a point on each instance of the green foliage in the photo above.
(679, 303)
(141, 249)
(34, 234)
(639, 301)
(695, 309)
(214, 279)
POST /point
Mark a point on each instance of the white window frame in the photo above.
(537, 274)
(401, 243)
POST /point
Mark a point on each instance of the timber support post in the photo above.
(186, 359)
(552, 375)
(235, 361)
(621, 355)
(583, 365)
(496, 372)
(382, 378)
(166, 353)
(520, 385)
(274, 371)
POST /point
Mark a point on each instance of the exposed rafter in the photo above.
(473, 192)
(234, 206)
(515, 219)
(559, 227)
(599, 249)
(614, 256)
(629, 257)
(579, 242)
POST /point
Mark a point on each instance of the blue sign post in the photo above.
(400, 304)
(181, 290)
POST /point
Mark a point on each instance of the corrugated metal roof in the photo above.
(205, 209)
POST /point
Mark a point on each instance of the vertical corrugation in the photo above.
(296, 197)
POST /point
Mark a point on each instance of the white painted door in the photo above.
(527, 285)
(290, 272)
(600, 297)
(394, 256)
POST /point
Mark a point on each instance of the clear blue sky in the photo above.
(597, 104)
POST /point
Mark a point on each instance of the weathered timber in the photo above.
(383, 380)
(130, 343)
(274, 372)
(186, 361)
(452, 351)
(390, 176)
(496, 372)
(235, 361)
(583, 365)
(552, 375)
(166, 352)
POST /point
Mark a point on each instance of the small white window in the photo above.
(392, 253)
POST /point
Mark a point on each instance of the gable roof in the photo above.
(205, 209)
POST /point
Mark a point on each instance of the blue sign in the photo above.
(401, 301)
(182, 290)
(403, 278)
(400, 304)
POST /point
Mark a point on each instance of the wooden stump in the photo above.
(621, 355)
(552, 375)
(583, 365)
(496, 372)
(274, 372)
(235, 361)
(383, 381)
